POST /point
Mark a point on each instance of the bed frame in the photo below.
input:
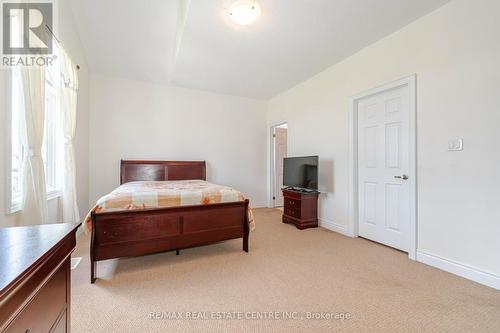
(140, 232)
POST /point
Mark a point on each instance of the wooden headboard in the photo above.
(161, 170)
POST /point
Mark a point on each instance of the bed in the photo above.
(136, 232)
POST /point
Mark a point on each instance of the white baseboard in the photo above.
(454, 267)
(258, 204)
(79, 231)
(330, 225)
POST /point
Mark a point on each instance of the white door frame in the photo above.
(410, 82)
(272, 167)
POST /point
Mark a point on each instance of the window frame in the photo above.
(11, 205)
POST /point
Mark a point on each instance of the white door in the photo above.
(383, 162)
(280, 148)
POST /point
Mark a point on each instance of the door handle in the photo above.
(403, 177)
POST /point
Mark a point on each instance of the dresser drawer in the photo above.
(292, 194)
(292, 203)
(43, 311)
(292, 211)
(62, 325)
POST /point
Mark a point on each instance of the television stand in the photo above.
(300, 208)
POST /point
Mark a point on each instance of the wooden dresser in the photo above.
(35, 278)
(300, 208)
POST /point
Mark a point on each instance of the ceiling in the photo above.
(193, 43)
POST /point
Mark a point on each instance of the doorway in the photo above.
(279, 145)
(383, 174)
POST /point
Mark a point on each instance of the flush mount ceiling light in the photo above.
(244, 12)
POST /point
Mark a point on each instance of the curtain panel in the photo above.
(34, 208)
(68, 94)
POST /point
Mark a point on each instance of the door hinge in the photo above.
(274, 135)
(274, 198)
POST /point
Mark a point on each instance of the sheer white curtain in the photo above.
(34, 209)
(68, 95)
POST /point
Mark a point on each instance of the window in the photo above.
(16, 103)
(51, 149)
(52, 142)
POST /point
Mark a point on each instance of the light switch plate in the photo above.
(455, 144)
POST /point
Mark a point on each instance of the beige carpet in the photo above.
(287, 270)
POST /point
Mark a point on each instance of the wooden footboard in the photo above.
(135, 233)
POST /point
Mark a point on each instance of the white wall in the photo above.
(137, 120)
(68, 35)
(455, 52)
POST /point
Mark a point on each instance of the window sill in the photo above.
(14, 208)
(51, 195)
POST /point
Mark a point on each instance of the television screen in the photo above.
(301, 172)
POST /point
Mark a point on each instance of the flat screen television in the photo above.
(301, 172)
